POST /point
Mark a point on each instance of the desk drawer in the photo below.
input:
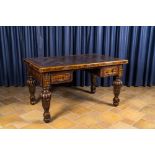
(109, 71)
(61, 77)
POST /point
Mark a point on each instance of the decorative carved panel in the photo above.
(109, 71)
(61, 77)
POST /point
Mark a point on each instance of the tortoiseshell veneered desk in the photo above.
(55, 70)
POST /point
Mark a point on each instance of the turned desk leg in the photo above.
(93, 83)
(32, 88)
(117, 84)
(46, 98)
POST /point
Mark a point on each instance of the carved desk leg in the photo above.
(46, 98)
(117, 84)
(32, 88)
(93, 83)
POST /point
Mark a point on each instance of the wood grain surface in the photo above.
(74, 62)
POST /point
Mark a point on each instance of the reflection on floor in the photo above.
(75, 107)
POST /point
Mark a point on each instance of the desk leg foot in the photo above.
(117, 84)
(32, 88)
(93, 83)
(46, 98)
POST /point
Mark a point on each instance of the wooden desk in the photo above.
(54, 70)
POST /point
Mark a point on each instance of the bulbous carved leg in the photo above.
(117, 84)
(32, 88)
(46, 98)
(93, 83)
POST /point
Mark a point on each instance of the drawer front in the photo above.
(61, 77)
(109, 71)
